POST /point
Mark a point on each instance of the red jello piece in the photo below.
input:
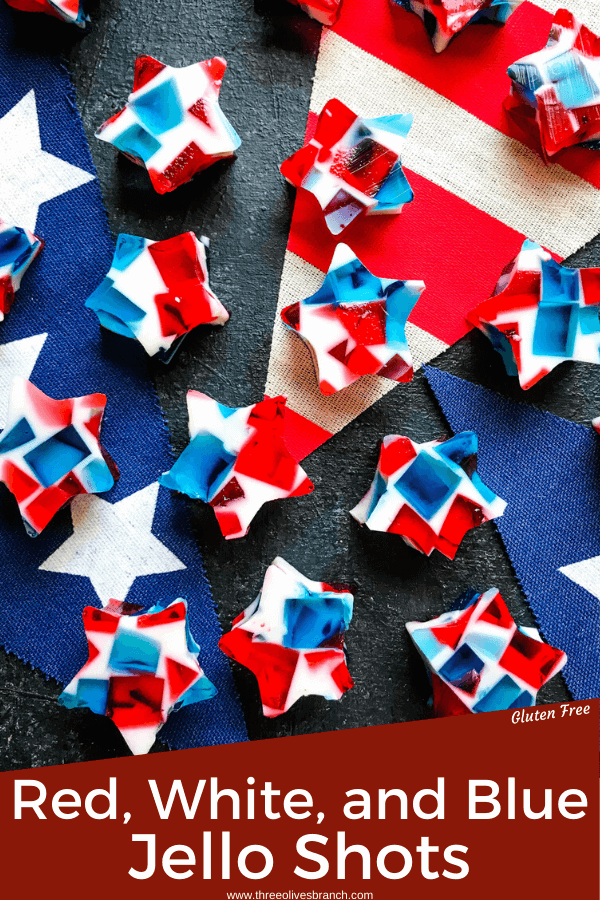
(174, 613)
(530, 660)
(445, 701)
(394, 455)
(135, 700)
(179, 678)
(146, 68)
(99, 620)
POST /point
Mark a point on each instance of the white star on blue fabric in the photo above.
(29, 176)
(586, 574)
(112, 544)
(17, 360)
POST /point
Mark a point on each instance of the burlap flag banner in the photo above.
(478, 190)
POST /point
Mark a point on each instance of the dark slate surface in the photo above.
(245, 209)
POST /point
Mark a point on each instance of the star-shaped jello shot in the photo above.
(556, 91)
(50, 452)
(443, 19)
(236, 460)
(292, 638)
(479, 660)
(352, 165)
(355, 324)
(429, 494)
(157, 292)
(142, 665)
(541, 314)
(172, 123)
(18, 249)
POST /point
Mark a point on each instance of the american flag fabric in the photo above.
(479, 191)
(131, 543)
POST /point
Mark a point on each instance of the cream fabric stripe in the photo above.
(587, 11)
(291, 369)
(460, 153)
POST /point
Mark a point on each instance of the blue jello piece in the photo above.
(91, 693)
(379, 489)
(201, 468)
(137, 143)
(400, 300)
(555, 330)
(159, 109)
(226, 411)
(503, 346)
(57, 456)
(459, 446)
(559, 284)
(461, 664)
(15, 248)
(133, 652)
(524, 699)
(115, 311)
(527, 76)
(19, 434)
(574, 86)
(589, 319)
(427, 484)
(313, 620)
(501, 696)
(129, 247)
(395, 190)
(356, 284)
(229, 129)
(350, 283)
(488, 495)
(201, 690)
(400, 124)
(98, 476)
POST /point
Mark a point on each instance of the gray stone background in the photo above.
(245, 209)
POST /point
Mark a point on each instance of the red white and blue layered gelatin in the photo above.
(352, 165)
(18, 249)
(355, 324)
(236, 460)
(292, 638)
(430, 494)
(556, 91)
(172, 123)
(443, 19)
(142, 665)
(479, 660)
(50, 452)
(157, 292)
(541, 314)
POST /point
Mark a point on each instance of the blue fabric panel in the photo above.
(40, 617)
(548, 471)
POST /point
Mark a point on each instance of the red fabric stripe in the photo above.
(471, 71)
(301, 436)
(457, 250)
